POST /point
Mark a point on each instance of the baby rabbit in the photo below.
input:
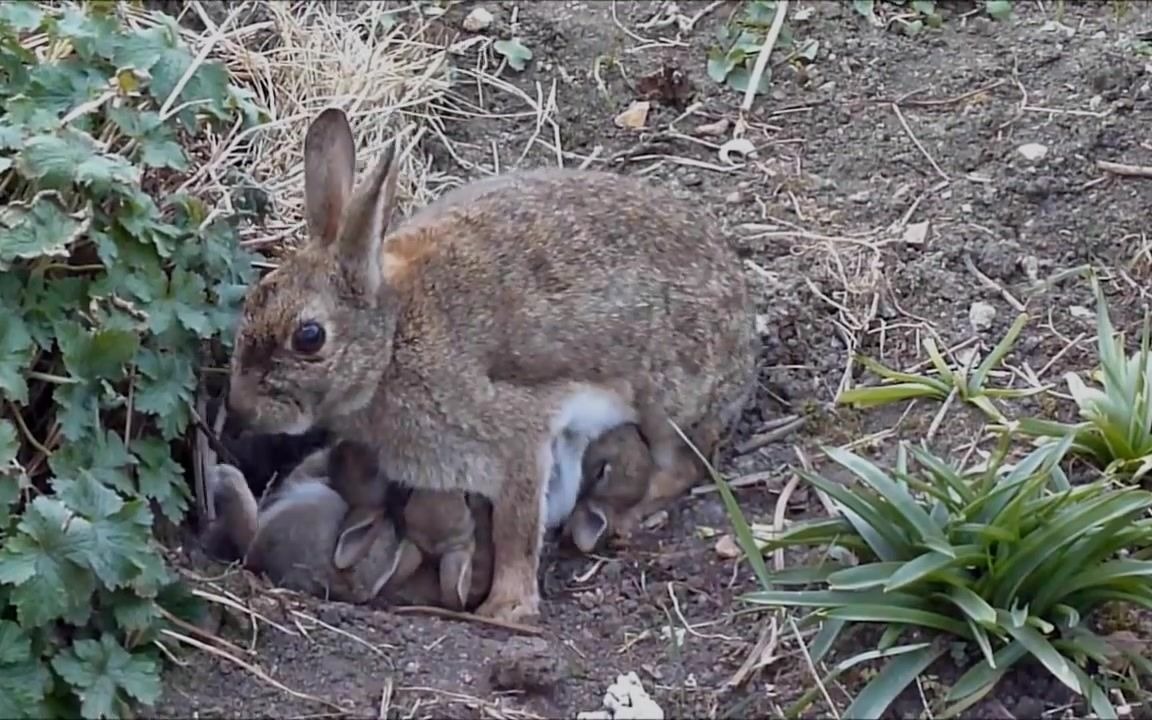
(438, 523)
(295, 535)
(617, 467)
(464, 342)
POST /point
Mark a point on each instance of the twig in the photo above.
(250, 668)
(1124, 169)
(993, 285)
(916, 142)
(467, 617)
(763, 652)
(783, 429)
(762, 56)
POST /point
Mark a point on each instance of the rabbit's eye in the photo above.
(308, 338)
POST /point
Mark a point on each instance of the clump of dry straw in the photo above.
(371, 59)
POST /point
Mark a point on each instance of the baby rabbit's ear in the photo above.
(405, 560)
(366, 221)
(356, 537)
(455, 578)
(587, 525)
(329, 171)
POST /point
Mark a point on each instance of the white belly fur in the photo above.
(585, 414)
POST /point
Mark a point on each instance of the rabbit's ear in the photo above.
(329, 171)
(366, 221)
(455, 578)
(404, 561)
(356, 538)
(587, 524)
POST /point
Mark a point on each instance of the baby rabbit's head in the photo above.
(315, 337)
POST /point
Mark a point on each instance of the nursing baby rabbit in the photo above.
(493, 334)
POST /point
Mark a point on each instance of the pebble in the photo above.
(981, 315)
(1032, 151)
(477, 20)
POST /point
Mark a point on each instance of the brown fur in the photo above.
(617, 469)
(457, 343)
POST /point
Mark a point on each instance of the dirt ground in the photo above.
(882, 132)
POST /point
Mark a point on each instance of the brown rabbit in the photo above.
(495, 332)
(293, 537)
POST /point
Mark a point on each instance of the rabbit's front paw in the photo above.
(511, 607)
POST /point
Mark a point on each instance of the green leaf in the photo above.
(514, 51)
(929, 534)
(73, 157)
(103, 455)
(999, 9)
(972, 605)
(863, 577)
(160, 477)
(165, 387)
(864, 612)
(15, 645)
(740, 76)
(184, 302)
(16, 348)
(95, 355)
(23, 686)
(920, 568)
(1039, 647)
(78, 410)
(37, 561)
(898, 673)
(20, 16)
(41, 229)
(104, 674)
(719, 65)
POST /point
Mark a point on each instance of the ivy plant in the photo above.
(113, 286)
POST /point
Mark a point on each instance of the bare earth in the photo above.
(882, 132)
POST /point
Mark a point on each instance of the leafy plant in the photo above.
(516, 53)
(968, 385)
(1006, 559)
(914, 15)
(1117, 429)
(731, 59)
(109, 298)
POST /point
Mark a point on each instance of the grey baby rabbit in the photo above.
(294, 536)
(439, 523)
(462, 343)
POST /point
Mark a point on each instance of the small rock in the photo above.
(1081, 313)
(690, 180)
(734, 198)
(635, 117)
(477, 20)
(916, 233)
(727, 548)
(529, 664)
(981, 315)
(713, 129)
(1032, 151)
(861, 197)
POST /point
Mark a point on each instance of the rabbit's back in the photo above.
(579, 275)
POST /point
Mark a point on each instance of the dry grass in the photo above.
(315, 55)
(378, 62)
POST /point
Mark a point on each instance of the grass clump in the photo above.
(996, 562)
(1116, 431)
(1008, 559)
(109, 297)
